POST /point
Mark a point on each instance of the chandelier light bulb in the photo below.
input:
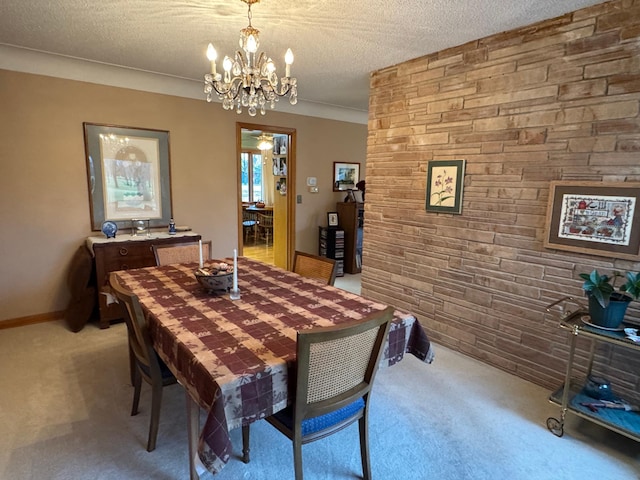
(212, 55)
(252, 45)
(227, 64)
(288, 60)
(288, 57)
(270, 66)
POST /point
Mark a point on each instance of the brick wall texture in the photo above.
(557, 100)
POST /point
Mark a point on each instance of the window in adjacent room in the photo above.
(251, 175)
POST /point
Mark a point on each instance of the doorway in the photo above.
(266, 192)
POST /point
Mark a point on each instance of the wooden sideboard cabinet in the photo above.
(351, 219)
(123, 253)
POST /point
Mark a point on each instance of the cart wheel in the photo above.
(555, 426)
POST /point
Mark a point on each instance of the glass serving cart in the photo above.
(574, 317)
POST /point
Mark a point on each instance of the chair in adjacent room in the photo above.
(249, 225)
(146, 365)
(314, 266)
(181, 253)
(265, 226)
(336, 367)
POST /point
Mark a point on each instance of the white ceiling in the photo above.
(336, 43)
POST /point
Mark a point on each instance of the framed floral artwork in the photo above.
(594, 218)
(445, 181)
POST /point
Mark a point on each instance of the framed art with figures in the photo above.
(595, 218)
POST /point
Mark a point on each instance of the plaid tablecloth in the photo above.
(233, 357)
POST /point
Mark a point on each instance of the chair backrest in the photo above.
(337, 365)
(249, 217)
(139, 339)
(181, 252)
(314, 266)
(265, 220)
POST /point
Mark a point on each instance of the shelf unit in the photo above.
(331, 244)
(569, 396)
(351, 220)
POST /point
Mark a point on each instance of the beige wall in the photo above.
(43, 186)
(554, 101)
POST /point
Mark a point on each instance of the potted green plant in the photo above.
(607, 306)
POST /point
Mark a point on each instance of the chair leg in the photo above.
(297, 458)
(137, 386)
(245, 444)
(156, 400)
(132, 364)
(364, 447)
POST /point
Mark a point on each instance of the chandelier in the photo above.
(265, 142)
(249, 80)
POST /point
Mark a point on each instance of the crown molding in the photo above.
(42, 63)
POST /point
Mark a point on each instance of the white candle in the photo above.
(235, 270)
(200, 247)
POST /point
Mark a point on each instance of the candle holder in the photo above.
(234, 294)
(140, 226)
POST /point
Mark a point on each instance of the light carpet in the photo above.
(66, 398)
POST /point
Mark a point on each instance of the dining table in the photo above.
(235, 357)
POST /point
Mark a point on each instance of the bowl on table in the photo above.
(215, 278)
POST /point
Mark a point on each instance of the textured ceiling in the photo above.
(336, 43)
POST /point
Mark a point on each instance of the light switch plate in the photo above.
(313, 189)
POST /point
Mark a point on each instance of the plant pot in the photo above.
(612, 315)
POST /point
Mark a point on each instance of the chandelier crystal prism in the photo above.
(249, 79)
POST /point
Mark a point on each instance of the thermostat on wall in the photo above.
(311, 181)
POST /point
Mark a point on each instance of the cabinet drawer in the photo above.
(125, 251)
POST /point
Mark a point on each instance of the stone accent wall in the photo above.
(557, 100)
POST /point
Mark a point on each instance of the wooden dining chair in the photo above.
(265, 226)
(249, 224)
(146, 364)
(181, 252)
(336, 367)
(314, 266)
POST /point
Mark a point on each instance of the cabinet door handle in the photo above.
(124, 251)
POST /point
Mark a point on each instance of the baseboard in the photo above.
(31, 319)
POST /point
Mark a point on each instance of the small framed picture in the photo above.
(445, 180)
(332, 218)
(345, 176)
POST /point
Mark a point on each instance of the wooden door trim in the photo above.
(291, 183)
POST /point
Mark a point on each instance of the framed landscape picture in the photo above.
(345, 176)
(128, 175)
(595, 218)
